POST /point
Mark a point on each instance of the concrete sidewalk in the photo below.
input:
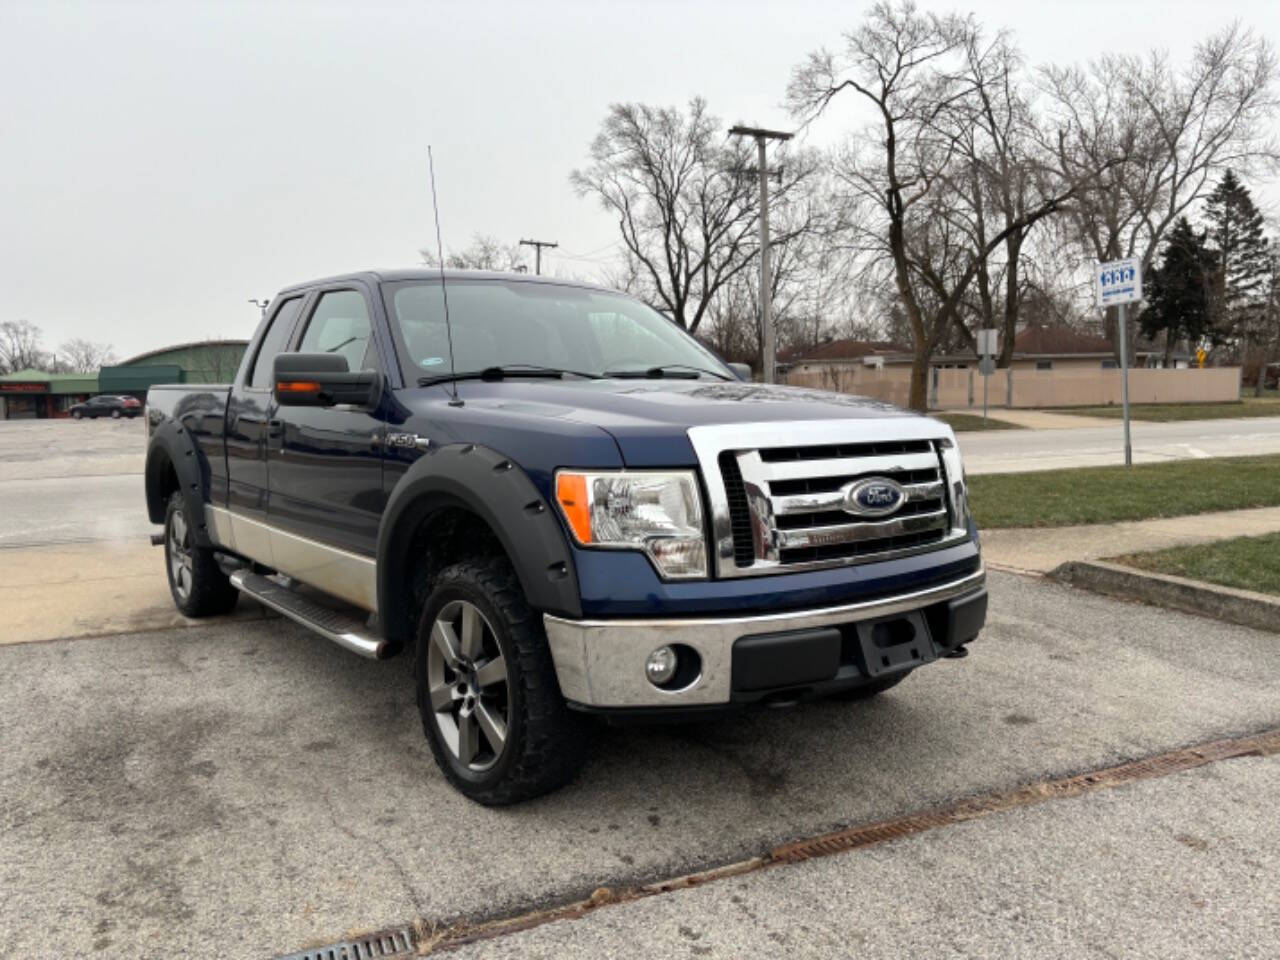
(1041, 549)
(1037, 419)
(87, 589)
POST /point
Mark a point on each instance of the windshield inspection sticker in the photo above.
(433, 361)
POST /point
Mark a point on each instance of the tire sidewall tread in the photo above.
(211, 591)
(544, 743)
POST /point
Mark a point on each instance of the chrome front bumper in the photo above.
(600, 663)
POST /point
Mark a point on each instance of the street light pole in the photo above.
(766, 278)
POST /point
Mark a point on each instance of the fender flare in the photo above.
(490, 485)
(172, 445)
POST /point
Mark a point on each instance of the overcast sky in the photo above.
(162, 163)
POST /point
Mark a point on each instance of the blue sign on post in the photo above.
(1119, 282)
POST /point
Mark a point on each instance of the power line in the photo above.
(537, 246)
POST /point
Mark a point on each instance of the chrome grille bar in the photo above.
(847, 467)
(860, 532)
(834, 499)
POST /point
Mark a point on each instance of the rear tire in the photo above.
(490, 703)
(197, 584)
(869, 690)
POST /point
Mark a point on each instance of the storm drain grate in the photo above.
(374, 946)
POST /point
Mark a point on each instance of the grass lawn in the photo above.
(1248, 563)
(1268, 406)
(1058, 498)
(968, 421)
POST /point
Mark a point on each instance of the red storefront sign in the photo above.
(24, 388)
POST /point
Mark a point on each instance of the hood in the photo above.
(649, 418)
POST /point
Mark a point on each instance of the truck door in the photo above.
(248, 410)
(324, 464)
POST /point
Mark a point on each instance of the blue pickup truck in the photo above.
(556, 503)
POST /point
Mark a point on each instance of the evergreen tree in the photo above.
(1239, 290)
(1178, 291)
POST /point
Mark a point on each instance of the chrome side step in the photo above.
(344, 630)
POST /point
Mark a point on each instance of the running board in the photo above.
(344, 630)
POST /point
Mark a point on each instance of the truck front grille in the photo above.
(786, 504)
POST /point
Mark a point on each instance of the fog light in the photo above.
(661, 665)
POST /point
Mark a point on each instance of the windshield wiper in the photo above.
(504, 371)
(675, 371)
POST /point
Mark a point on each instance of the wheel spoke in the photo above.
(495, 671)
(468, 737)
(444, 637)
(472, 632)
(495, 730)
(441, 697)
(179, 528)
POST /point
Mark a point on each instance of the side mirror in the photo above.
(743, 370)
(323, 380)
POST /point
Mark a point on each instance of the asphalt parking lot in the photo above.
(242, 789)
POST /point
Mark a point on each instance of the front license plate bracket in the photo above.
(894, 644)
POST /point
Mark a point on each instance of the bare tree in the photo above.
(20, 346)
(926, 77)
(485, 253)
(85, 356)
(1180, 126)
(685, 209)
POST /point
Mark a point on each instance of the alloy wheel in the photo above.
(468, 686)
(180, 554)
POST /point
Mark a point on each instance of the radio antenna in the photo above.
(444, 291)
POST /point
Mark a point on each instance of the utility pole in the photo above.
(260, 304)
(537, 256)
(766, 280)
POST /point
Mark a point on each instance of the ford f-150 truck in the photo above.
(557, 503)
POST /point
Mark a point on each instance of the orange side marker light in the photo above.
(571, 491)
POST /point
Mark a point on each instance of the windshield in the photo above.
(500, 323)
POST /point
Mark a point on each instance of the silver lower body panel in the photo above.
(600, 663)
(344, 574)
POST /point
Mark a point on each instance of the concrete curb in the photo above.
(1244, 607)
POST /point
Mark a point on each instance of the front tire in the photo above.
(76, 414)
(490, 704)
(197, 584)
(115, 414)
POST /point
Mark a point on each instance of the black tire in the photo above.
(76, 414)
(542, 748)
(115, 414)
(197, 584)
(869, 690)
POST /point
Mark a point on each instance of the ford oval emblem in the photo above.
(874, 497)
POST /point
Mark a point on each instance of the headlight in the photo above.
(657, 512)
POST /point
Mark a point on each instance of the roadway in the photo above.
(1016, 451)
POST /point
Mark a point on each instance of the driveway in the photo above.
(242, 789)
